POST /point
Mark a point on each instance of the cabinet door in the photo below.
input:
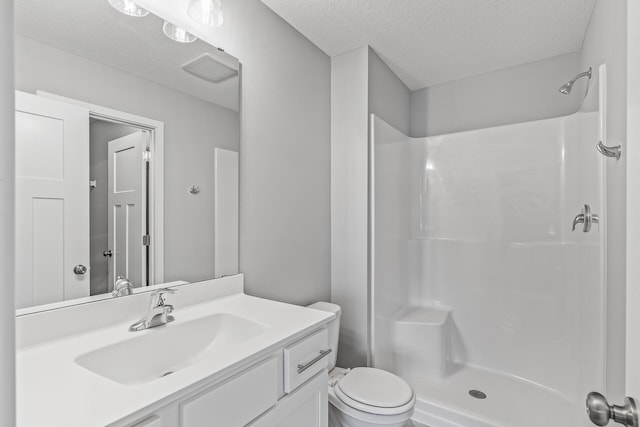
(235, 402)
(307, 406)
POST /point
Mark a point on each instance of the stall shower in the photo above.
(488, 267)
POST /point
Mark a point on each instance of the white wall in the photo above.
(349, 201)
(389, 98)
(7, 180)
(193, 128)
(392, 159)
(606, 42)
(515, 257)
(512, 95)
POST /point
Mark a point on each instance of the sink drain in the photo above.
(166, 373)
(477, 394)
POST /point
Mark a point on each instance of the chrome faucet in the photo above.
(158, 313)
(122, 287)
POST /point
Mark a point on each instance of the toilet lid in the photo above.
(375, 391)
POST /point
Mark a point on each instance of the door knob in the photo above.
(108, 253)
(600, 412)
(79, 269)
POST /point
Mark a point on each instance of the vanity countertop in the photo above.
(53, 389)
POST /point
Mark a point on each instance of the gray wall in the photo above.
(389, 98)
(193, 128)
(100, 133)
(7, 181)
(349, 201)
(512, 95)
(284, 157)
(361, 84)
(606, 42)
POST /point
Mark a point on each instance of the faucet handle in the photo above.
(123, 286)
(586, 218)
(579, 219)
(157, 297)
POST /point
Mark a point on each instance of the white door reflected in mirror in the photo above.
(52, 200)
(127, 216)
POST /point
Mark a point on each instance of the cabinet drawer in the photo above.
(235, 402)
(304, 359)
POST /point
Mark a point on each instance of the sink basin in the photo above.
(157, 352)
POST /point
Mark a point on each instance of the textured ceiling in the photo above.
(96, 31)
(427, 42)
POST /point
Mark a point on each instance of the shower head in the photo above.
(566, 88)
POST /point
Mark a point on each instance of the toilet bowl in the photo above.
(363, 397)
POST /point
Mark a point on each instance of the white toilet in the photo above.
(362, 397)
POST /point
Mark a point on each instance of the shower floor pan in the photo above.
(509, 402)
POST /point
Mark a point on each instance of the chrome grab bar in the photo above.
(304, 366)
(615, 151)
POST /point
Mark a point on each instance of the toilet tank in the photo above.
(333, 329)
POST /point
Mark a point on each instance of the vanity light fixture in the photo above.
(206, 12)
(129, 8)
(177, 34)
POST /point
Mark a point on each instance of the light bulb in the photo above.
(206, 12)
(129, 8)
(177, 34)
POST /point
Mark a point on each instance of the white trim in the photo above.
(7, 217)
(156, 172)
(602, 227)
(371, 268)
(632, 153)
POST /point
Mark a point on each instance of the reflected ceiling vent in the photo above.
(210, 69)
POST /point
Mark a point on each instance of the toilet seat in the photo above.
(375, 391)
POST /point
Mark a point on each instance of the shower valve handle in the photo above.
(586, 218)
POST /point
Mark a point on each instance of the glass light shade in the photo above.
(177, 34)
(206, 12)
(129, 8)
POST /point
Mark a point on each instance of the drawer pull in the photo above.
(305, 366)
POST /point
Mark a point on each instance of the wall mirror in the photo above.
(126, 153)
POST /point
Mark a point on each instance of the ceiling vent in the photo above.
(210, 69)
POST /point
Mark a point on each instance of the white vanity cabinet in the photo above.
(306, 382)
(228, 359)
(285, 388)
(305, 407)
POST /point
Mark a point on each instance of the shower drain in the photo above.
(477, 394)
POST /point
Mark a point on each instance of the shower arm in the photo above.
(565, 89)
(583, 74)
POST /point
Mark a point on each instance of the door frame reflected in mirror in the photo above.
(156, 174)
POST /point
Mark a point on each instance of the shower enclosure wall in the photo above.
(482, 295)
